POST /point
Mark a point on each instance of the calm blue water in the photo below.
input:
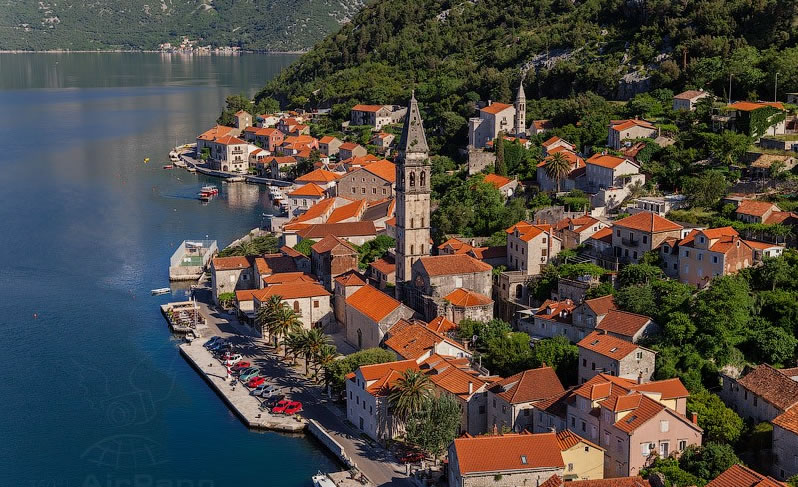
(93, 390)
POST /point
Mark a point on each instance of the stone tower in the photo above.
(412, 196)
(520, 111)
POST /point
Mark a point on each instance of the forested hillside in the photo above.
(143, 24)
(455, 52)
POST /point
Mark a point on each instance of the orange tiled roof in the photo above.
(318, 176)
(274, 264)
(441, 325)
(373, 303)
(497, 181)
(496, 453)
(455, 380)
(445, 265)
(457, 245)
(527, 231)
(327, 139)
(352, 210)
(645, 221)
(292, 290)
(603, 234)
(623, 323)
(741, 476)
(607, 345)
(772, 386)
(668, 388)
(787, 420)
(231, 263)
(412, 340)
(310, 189)
(216, 131)
(542, 124)
(755, 208)
(245, 294)
(386, 265)
(289, 252)
(345, 229)
(367, 108)
(627, 124)
(690, 94)
(482, 253)
(318, 210)
(553, 310)
(553, 140)
(465, 298)
(351, 278)
(283, 277)
(383, 169)
(606, 160)
(329, 242)
(556, 481)
(229, 140)
(528, 386)
(568, 439)
(572, 157)
(495, 108)
(349, 146)
(749, 106)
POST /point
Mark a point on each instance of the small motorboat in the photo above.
(161, 290)
(174, 156)
(168, 166)
(322, 480)
(275, 194)
(208, 192)
(236, 179)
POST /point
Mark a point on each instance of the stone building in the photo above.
(761, 393)
(530, 247)
(412, 197)
(330, 257)
(601, 353)
(372, 182)
(309, 300)
(621, 130)
(496, 118)
(635, 235)
(435, 277)
(229, 274)
(511, 401)
(345, 285)
(370, 313)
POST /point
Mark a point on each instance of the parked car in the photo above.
(293, 408)
(273, 400)
(218, 345)
(280, 406)
(265, 390)
(241, 366)
(233, 359)
(411, 457)
(249, 374)
(255, 382)
(212, 340)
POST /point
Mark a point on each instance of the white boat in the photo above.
(322, 480)
(275, 193)
(236, 179)
(174, 156)
(161, 290)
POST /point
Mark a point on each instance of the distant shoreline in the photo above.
(153, 51)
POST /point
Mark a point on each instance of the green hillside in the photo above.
(456, 52)
(143, 24)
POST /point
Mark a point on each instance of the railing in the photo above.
(629, 242)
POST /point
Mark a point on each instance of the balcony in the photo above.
(628, 242)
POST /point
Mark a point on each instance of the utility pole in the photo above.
(730, 79)
(776, 88)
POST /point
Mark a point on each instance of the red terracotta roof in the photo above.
(310, 189)
(605, 234)
(231, 263)
(383, 169)
(229, 140)
(495, 108)
(283, 277)
(497, 181)
(216, 131)
(372, 302)
(412, 340)
(289, 252)
(601, 306)
(772, 386)
(690, 94)
(787, 420)
(346, 229)
(623, 323)
(386, 265)
(465, 298)
(627, 124)
(457, 245)
(327, 139)
(292, 290)
(529, 385)
(607, 345)
(749, 106)
(527, 231)
(606, 160)
(496, 453)
(645, 221)
(554, 140)
(446, 265)
(345, 212)
(367, 108)
(640, 414)
(556, 481)
(568, 439)
(603, 385)
(349, 146)
(351, 278)
(483, 253)
(556, 310)
(274, 264)
(329, 242)
(755, 208)
(668, 388)
(441, 325)
(741, 476)
(245, 295)
(456, 380)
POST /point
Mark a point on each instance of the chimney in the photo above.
(640, 377)
(470, 388)
(694, 417)
(495, 429)
(490, 103)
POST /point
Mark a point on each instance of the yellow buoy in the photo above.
(146, 160)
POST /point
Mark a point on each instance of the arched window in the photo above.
(359, 338)
(422, 178)
(412, 179)
(296, 306)
(422, 222)
(411, 249)
(412, 223)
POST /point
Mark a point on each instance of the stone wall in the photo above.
(479, 159)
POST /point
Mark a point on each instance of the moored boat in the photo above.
(168, 166)
(161, 290)
(322, 480)
(275, 194)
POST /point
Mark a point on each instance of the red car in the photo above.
(293, 408)
(411, 457)
(255, 382)
(241, 365)
(280, 407)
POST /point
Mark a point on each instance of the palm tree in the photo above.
(267, 312)
(247, 248)
(293, 343)
(558, 167)
(410, 394)
(326, 356)
(313, 341)
(285, 322)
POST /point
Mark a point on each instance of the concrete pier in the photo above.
(245, 405)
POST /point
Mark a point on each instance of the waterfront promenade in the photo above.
(376, 463)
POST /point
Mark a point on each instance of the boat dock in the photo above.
(192, 163)
(184, 318)
(238, 398)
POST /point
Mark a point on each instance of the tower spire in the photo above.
(413, 140)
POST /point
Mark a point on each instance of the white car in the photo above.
(264, 390)
(233, 359)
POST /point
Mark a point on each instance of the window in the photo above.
(573, 422)
(570, 467)
(494, 402)
(593, 366)
(296, 306)
(700, 256)
(315, 304)
(618, 232)
(664, 449)
(756, 401)
(701, 239)
(422, 178)
(714, 259)
(639, 355)
(664, 426)
(384, 191)
(373, 190)
(687, 253)
(362, 190)
(526, 412)
(682, 444)
(504, 408)
(412, 180)
(482, 410)
(350, 395)
(523, 460)
(645, 238)
(584, 426)
(353, 190)
(543, 252)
